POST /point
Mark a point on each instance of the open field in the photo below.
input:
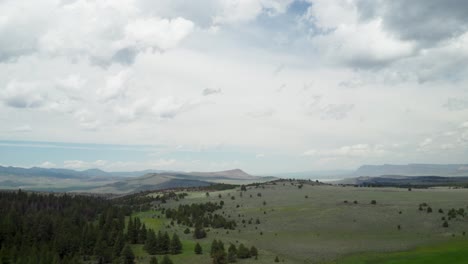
(323, 228)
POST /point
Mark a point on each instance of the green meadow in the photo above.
(329, 224)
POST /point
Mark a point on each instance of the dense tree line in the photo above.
(200, 215)
(52, 228)
(48, 228)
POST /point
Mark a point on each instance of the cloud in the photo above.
(101, 32)
(161, 34)
(456, 104)
(241, 11)
(81, 165)
(262, 113)
(358, 150)
(344, 39)
(169, 107)
(424, 21)
(115, 86)
(22, 129)
(425, 143)
(209, 91)
(336, 111)
(23, 95)
(47, 164)
(72, 82)
(118, 165)
(87, 120)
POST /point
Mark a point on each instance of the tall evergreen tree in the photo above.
(165, 242)
(253, 252)
(142, 234)
(119, 245)
(176, 245)
(232, 254)
(243, 252)
(127, 255)
(198, 249)
(151, 243)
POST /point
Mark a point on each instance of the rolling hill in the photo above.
(165, 180)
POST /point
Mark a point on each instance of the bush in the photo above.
(445, 224)
(373, 202)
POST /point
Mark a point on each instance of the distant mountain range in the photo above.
(99, 181)
(413, 170)
(407, 181)
(68, 173)
(445, 170)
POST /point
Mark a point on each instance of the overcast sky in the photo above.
(263, 85)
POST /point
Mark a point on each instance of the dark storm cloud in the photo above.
(424, 21)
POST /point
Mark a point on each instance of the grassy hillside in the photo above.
(314, 224)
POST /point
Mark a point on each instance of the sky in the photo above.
(267, 86)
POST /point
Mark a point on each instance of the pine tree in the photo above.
(150, 243)
(253, 252)
(127, 255)
(119, 245)
(142, 234)
(243, 252)
(276, 259)
(232, 254)
(176, 245)
(130, 230)
(199, 232)
(165, 243)
(153, 260)
(214, 247)
(198, 249)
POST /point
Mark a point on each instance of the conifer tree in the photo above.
(232, 254)
(243, 252)
(198, 249)
(176, 245)
(127, 256)
(253, 252)
(151, 243)
(142, 234)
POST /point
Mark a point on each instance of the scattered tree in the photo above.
(198, 249)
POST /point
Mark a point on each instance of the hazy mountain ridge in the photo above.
(397, 180)
(96, 180)
(413, 170)
(164, 180)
